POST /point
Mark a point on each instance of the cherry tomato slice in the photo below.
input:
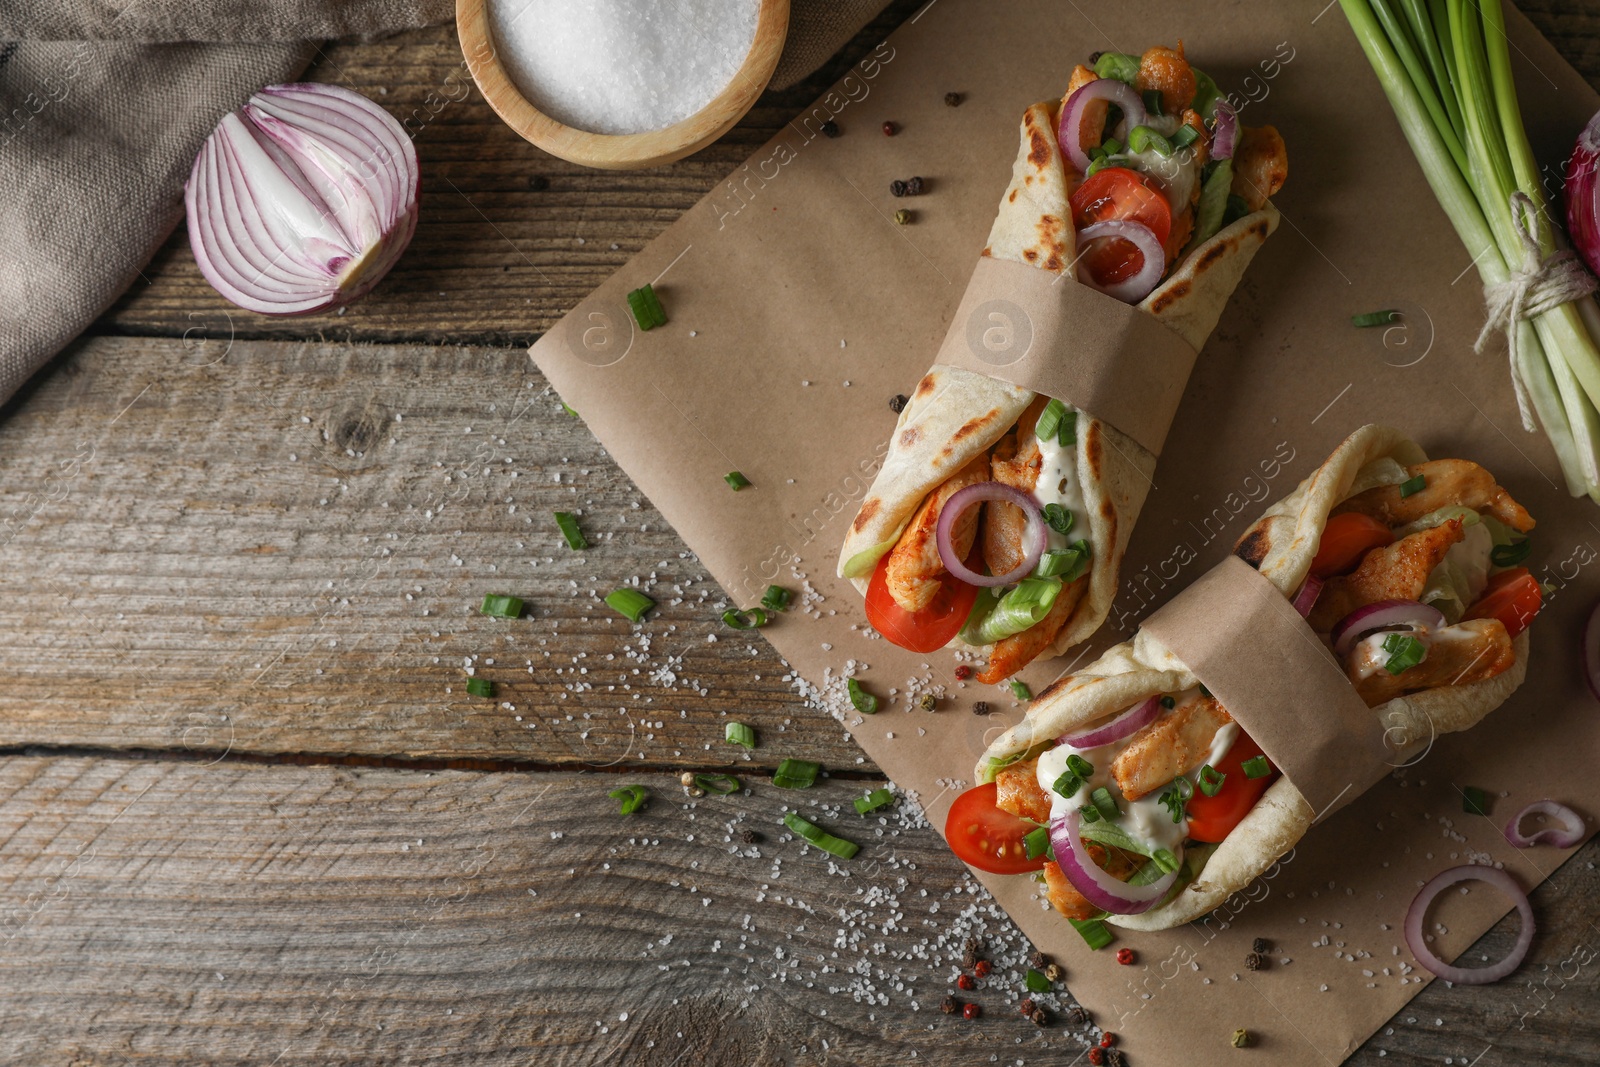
(1117, 193)
(1212, 818)
(987, 837)
(1513, 597)
(1346, 539)
(931, 628)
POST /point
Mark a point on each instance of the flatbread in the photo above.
(1281, 544)
(954, 415)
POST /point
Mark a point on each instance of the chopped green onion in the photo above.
(480, 687)
(1105, 161)
(1093, 931)
(1067, 564)
(739, 734)
(646, 308)
(1141, 138)
(1079, 766)
(1089, 813)
(1256, 767)
(1375, 318)
(737, 480)
(1067, 784)
(569, 409)
(1020, 690)
(1095, 154)
(1057, 422)
(1405, 652)
(631, 603)
(569, 529)
(815, 834)
(1510, 555)
(860, 699)
(1122, 66)
(745, 620)
(796, 774)
(1057, 518)
(1152, 105)
(1165, 860)
(878, 798)
(1210, 780)
(719, 784)
(1213, 207)
(1112, 147)
(632, 797)
(501, 607)
(1104, 803)
(1413, 485)
(1474, 801)
(1186, 136)
(776, 598)
(1036, 842)
(1036, 981)
(1168, 703)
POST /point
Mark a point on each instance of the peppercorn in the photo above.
(1108, 1039)
(1039, 1017)
(897, 403)
(1094, 57)
(1053, 972)
(1115, 1058)
(928, 702)
(897, 188)
(970, 945)
(1077, 1016)
(889, 129)
(950, 1005)
(1255, 961)
(982, 968)
(967, 982)
(1038, 961)
(538, 183)
(970, 1012)
(963, 672)
(830, 129)
(903, 217)
(749, 837)
(1124, 956)
(1261, 944)
(982, 708)
(1096, 1057)
(913, 186)
(969, 958)
(952, 99)
(1243, 1038)
(1027, 1006)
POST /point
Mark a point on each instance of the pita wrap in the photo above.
(1281, 545)
(955, 415)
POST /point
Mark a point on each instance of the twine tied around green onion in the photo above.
(1541, 283)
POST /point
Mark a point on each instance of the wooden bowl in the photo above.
(624, 151)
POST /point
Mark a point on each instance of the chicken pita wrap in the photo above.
(1134, 790)
(1000, 515)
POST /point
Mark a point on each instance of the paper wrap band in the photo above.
(1251, 648)
(1049, 334)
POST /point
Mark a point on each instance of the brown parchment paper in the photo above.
(1249, 646)
(1049, 334)
(798, 308)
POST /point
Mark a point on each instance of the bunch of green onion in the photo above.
(1446, 69)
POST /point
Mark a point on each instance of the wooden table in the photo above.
(250, 813)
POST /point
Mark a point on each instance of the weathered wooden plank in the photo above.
(161, 912)
(269, 547)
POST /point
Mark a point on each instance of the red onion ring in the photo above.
(1306, 598)
(1112, 90)
(1591, 651)
(1464, 975)
(1225, 131)
(1384, 615)
(1035, 536)
(1561, 838)
(1130, 721)
(1136, 288)
(1098, 887)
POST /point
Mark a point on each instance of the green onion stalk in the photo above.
(1446, 69)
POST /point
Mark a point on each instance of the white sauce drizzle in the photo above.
(1058, 484)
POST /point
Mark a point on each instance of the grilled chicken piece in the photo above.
(1010, 654)
(1398, 572)
(1018, 791)
(1450, 482)
(1017, 465)
(1168, 747)
(1066, 899)
(1471, 651)
(914, 564)
(1260, 165)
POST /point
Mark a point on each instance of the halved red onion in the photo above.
(1098, 887)
(1591, 651)
(1464, 975)
(1034, 537)
(1128, 722)
(1138, 286)
(302, 199)
(1582, 194)
(1306, 598)
(1384, 615)
(1112, 90)
(1225, 134)
(1562, 837)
